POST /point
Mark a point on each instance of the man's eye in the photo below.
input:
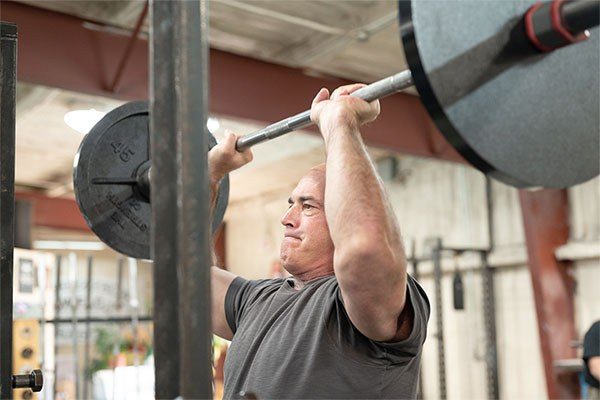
(307, 207)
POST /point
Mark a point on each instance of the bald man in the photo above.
(349, 322)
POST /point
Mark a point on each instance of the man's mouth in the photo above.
(291, 237)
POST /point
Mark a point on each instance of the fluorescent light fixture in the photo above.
(213, 124)
(68, 245)
(83, 120)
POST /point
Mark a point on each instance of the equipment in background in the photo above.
(26, 356)
(458, 294)
(503, 104)
(33, 381)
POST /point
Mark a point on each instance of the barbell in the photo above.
(486, 72)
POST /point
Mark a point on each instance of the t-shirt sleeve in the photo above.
(237, 300)
(421, 309)
(352, 341)
(591, 342)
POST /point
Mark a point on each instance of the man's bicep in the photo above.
(220, 282)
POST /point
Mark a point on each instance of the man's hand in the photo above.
(329, 112)
(224, 158)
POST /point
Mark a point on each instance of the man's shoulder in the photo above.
(257, 288)
(252, 285)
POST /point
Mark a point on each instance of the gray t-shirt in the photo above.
(302, 344)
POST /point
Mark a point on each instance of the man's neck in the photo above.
(301, 280)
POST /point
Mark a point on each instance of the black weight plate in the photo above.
(115, 147)
(527, 119)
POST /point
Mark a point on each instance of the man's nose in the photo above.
(290, 218)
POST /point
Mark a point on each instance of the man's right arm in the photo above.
(220, 281)
(222, 159)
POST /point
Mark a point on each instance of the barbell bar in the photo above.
(375, 91)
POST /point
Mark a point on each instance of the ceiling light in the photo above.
(213, 124)
(83, 120)
(68, 245)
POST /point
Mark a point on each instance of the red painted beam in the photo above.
(63, 51)
(54, 212)
(546, 224)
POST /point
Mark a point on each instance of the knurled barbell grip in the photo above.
(377, 90)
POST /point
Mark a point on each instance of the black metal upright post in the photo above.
(489, 310)
(73, 277)
(163, 143)
(8, 80)
(179, 181)
(415, 273)
(439, 316)
(88, 334)
(57, 307)
(489, 302)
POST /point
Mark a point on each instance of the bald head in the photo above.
(317, 175)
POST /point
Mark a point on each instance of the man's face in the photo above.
(307, 245)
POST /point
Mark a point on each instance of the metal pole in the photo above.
(100, 320)
(415, 273)
(377, 90)
(164, 235)
(489, 310)
(414, 261)
(439, 316)
(74, 338)
(489, 302)
(8, 79)
(88, 310)
(180, 236)
(133, 307)
(42, 281)
(56, 315)
(119, 300)
(195, 333)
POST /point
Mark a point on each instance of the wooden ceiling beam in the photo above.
(54, 212)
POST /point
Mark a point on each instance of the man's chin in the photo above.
(287, 261)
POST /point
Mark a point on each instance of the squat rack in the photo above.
(181, 240)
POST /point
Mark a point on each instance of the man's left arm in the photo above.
(594, 366)
(369, 259)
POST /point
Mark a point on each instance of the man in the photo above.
(349, 323)
(591, 359)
